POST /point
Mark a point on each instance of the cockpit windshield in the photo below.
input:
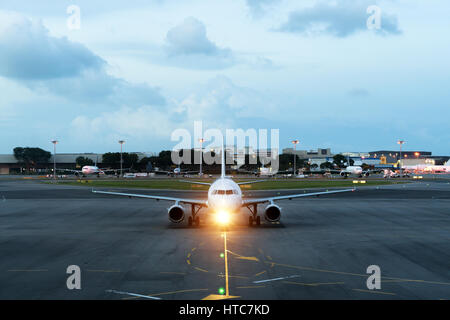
(223, 192)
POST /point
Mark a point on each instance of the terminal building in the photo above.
(391, 157)
(311, 154)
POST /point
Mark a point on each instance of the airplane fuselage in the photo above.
(87, 170)
(427, 168)
(352, 170)
(225, 194)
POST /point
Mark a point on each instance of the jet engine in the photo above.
(366, 174)
(176, 213)
(272, 213)
(343, 174)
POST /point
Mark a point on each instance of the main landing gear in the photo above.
(194, 219)
(254, 218)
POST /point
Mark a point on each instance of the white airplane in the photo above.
(428, 168)
(176, 172)
(224, 200)
(387, 173)
(85, 171)
(355, 171)
(90, 170)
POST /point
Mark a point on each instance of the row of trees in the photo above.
(32, 157)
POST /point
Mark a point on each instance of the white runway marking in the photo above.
(276, 279)
(133, 294)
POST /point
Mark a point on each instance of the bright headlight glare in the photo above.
(223, 217)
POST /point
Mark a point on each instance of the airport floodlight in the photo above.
(201, 140)
(121, 143)
(400, 142)
(54, 141)
(295, 142)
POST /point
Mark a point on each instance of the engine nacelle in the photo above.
(366, 174)
(343, 174)
(272, 213)
(176, 213)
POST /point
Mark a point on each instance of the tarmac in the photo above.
(320, 249)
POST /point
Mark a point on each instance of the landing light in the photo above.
(223, 217)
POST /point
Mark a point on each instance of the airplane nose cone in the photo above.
(228, 204)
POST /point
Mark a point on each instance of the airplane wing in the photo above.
(247, 171)
(113, 170)
(161, 171)
(70, 170)
(195, 182)
(250, 182)
(133, 195)
(272, 199)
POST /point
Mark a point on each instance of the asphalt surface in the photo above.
(320, 249)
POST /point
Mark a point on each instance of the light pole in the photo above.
(121, 143)
(54, 159)
(295, 142)
(400, 142)
(201, 140)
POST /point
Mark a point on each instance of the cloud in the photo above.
(359, 92)
(141, 123)
(221, 99)
(220, 103)
(189, 37)
(32, 57)
(187, 45)
(28, 52)
(258, 7)
(340, 18)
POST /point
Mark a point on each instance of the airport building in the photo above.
(392, 157)
(240, 154)
(311, 154)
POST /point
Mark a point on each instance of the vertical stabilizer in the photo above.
(223, 160)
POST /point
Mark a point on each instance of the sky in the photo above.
(138, 70)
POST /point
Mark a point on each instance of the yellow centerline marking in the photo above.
(227, 293)
(374, 291)
(242, 257)
(188, 262)
(241, 277)
(250, 287)
(260, 273)
(200, 269)
(189, 255)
